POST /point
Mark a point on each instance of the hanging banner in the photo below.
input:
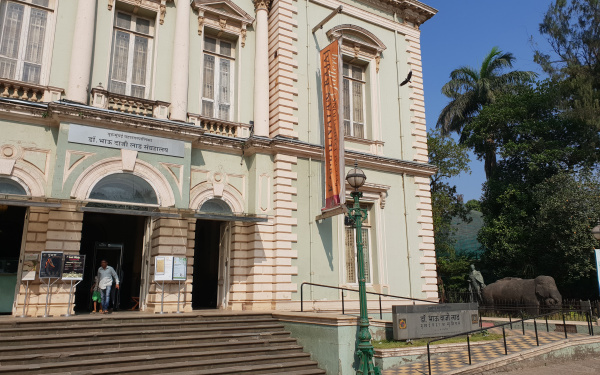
(73, 267)
(30, 265)
(334, 134)
(51, 264)
(597, 251)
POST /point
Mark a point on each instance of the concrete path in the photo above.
(516, 342)
(571, 367)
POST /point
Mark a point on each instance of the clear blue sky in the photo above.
(462, 33)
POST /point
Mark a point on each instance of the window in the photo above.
(8, 186)
(23, 34)
(216, 206)
(354, 100)
(124, 187)
(217, 78)
(351, 252)
(131, 52)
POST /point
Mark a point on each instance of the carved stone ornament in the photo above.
(200, 24)
(377, 61)
(243, 37)
(222, 23)
(261, 4)
(356, 51)
(163, 11)
(110, 4)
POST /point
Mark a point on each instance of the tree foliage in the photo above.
(471, 89)
(451, 159)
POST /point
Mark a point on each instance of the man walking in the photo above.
(104, 278)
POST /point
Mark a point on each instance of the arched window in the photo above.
(8, 186)
(216, 206)
(124, 187)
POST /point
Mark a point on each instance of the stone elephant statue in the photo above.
(527, 295)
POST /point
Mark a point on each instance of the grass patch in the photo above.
(391, 344)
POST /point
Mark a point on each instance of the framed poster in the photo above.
(30, 265)
(73, 267)
(51, 264)
(179, 268)
(163, 268)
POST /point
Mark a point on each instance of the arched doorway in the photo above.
(11, 235)
(121, 239)
(211, 257)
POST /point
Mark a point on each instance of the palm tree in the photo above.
(470, 90)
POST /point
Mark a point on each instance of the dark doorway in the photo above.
(206, 264)
(112, 237)
(12, 221)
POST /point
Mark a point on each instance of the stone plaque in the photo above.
(89, 135)
(417, 321)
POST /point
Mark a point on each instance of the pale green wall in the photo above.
(63, 40)
(389, 77)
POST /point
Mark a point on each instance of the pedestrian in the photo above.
(96, 295)
(104, 278)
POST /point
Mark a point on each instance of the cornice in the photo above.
(409, 10)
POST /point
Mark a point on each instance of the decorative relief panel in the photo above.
(223, 16)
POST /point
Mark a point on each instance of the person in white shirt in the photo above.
(104, 278)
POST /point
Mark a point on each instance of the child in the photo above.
(96, 296)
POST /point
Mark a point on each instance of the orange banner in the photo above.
(334, 137)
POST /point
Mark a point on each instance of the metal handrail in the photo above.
(510, 322)
(356, 290)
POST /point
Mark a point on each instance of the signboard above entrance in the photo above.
(101, 137)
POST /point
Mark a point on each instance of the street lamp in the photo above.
(356, 215)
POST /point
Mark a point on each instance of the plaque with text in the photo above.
(51, 264)
(163, 268)
(89, 135)
(435, 320)
(179, 268)
(73, 267)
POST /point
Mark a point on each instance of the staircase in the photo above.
(134, 343)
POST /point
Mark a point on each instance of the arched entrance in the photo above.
(121, 239)
(211, 257)
(11, 235)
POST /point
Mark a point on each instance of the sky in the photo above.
(462, 33)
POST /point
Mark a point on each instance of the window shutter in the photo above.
(34, 53)
(12, 23)
(120, 59)
(208, 90)
(140, 61)
(224, 89)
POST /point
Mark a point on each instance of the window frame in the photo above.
(48, 39)
(151, 36)
(363, 82)
(218, 56)
(367, 226)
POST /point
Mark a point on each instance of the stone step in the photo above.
(155, 363)
(300, 368)
(212, 349)
(147, 332)
(110, 326)
(130, 317)
(163, 341)
(176, 351)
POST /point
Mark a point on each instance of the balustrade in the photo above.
(220, 127)
(28, 91)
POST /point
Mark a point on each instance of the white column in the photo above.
(181, 62)
(261, 70)
(81, 52)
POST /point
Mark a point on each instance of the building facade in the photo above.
(133, 129)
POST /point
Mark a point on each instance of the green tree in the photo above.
(471, 89)
(545, 155)
(451, 159)
(572, 30)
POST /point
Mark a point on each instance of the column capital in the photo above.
(262, 4)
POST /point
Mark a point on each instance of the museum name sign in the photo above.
(101, 137)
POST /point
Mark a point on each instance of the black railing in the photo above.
(510, 323)
(356, 290)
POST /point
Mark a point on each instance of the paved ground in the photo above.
(572, 367)
(516, 342)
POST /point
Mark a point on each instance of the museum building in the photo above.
(137, 129)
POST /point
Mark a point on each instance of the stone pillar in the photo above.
(181, 63)
(261, 69)
(174, 237)
(52, 230)
(81, 52)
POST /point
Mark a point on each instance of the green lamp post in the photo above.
(356, 215)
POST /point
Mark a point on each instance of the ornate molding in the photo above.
(200, 24)
(262, 5)
(163, 12)
(243, 36)
(222, 16)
